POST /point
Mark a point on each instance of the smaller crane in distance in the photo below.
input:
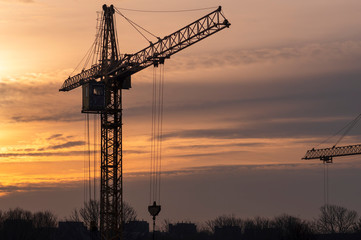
(327, 154)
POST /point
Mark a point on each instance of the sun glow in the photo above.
(2, 67)
(8, 67)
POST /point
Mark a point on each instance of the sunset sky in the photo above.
(241, 107)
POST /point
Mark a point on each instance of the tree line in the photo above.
(332, 220)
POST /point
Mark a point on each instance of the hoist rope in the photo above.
(84, 162)
(167, 11)
(89, 179)
(89, 156)
(347, 128)
(95, 152)
(161, 124)
(156, 134)
(152, 140)
(325, 183)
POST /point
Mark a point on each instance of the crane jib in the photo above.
(163, 48)
(333, 152)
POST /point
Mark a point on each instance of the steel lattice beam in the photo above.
(329, 153)
(164, 48)
(173, 43)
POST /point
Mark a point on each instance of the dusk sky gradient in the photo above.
(241, 107)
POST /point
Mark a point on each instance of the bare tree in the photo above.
(165, 225)
(223, 221)
(44, 219)
(90, 214)
(357, 227)
(256, 228)
(2, 218)
(18, 214)
(257, 224)
(39, 219)
(129, 213)
(74, 216)
(22, 224)
(336, 219)
(290, 227)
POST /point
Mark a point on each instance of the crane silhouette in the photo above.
(102, 87)
(327, 154)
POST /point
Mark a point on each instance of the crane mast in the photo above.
(111, 168)
(112, 74)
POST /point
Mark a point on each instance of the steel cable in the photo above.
(167, 11)
(348, 127)
(135, 25)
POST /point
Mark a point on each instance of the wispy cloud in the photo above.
(70, 117)
(54, 136)
(256, 130)
(68, 145)
(41, 154)
(236, 57)
(22, 1)
(229, 169)
(203, 146)
(35, 97)
(46, 184)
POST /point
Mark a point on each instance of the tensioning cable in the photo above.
(167, 11)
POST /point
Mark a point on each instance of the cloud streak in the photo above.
(41, 154)
(45, 185)
(67, 145)
(237, 57)
(231, 168)
(22, 1)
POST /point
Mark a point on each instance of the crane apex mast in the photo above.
(106, 8)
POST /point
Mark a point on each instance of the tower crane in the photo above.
(326, 155)
(102, 86)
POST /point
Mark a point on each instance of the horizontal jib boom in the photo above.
(163, 48)
(332, 152)
(173, 43)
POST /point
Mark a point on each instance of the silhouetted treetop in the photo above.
(336, 219)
